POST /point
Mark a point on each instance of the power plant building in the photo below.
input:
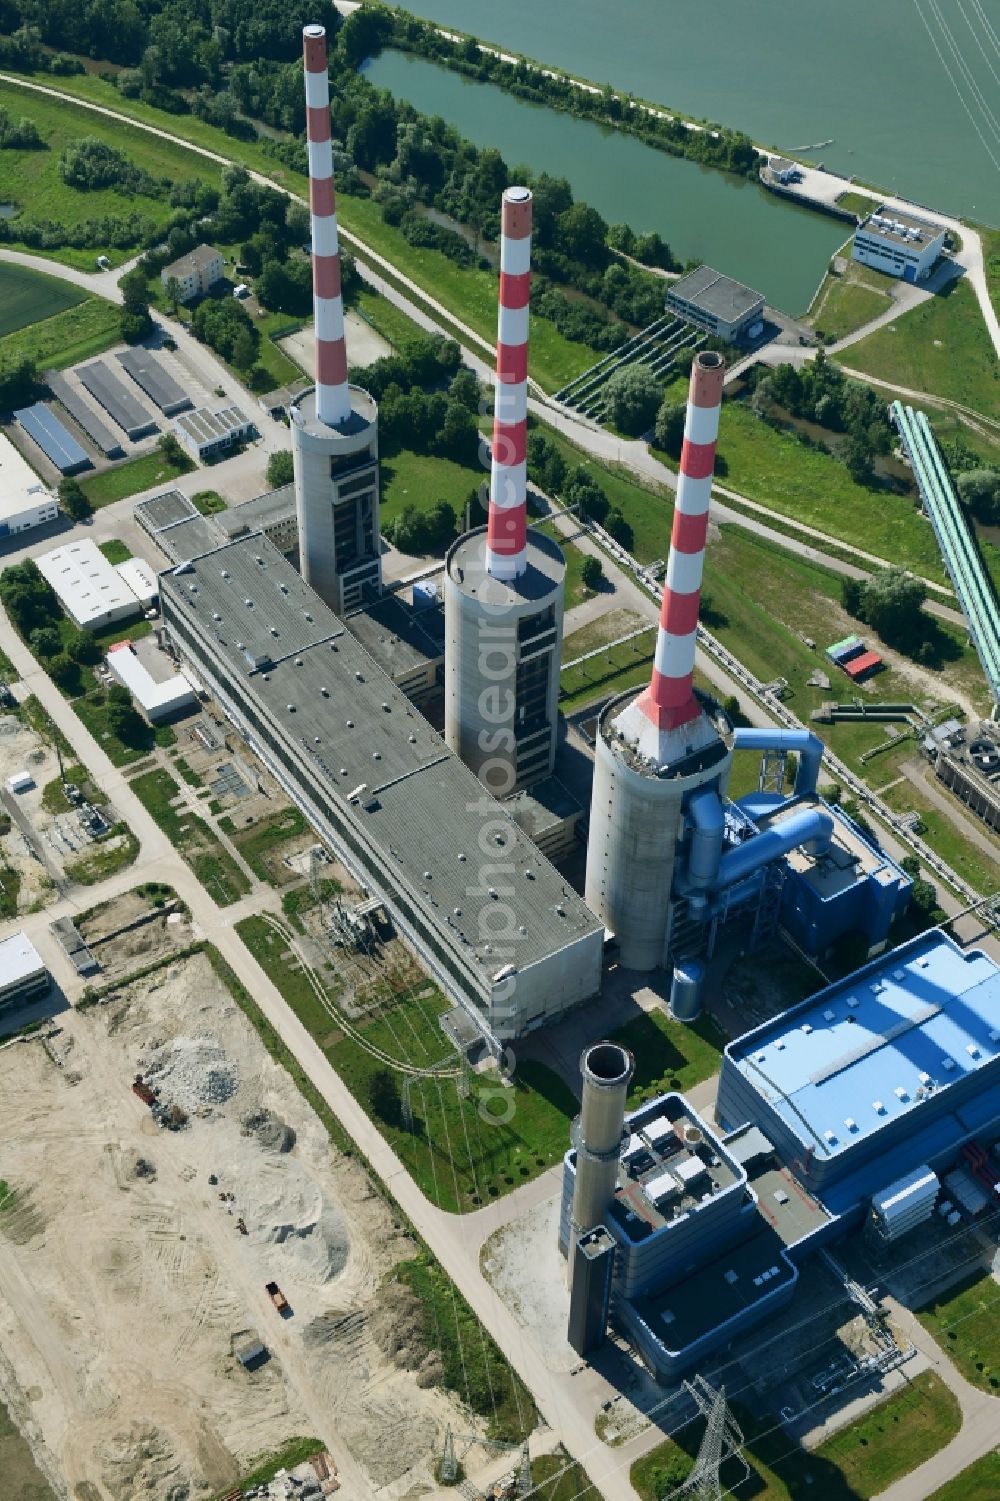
(496, 925)
(504, 583)
(334, 425)
(899, 244)
(845, 1110)
(718, 304)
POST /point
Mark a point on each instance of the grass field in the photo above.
(78, 333)
(387, 319)
(669, 1054)
(28, 297)
(991, 259)
(941, 347)
(858, 1462)
(414, 479)
(845, 306)
(857, 203)
(31, 178)
(966, 1324)
(115, 551)
(261, 844)
(980, 1482)
(462, 1151)
(811, 486)
(192, 838)
(129, 478)
(469, 295)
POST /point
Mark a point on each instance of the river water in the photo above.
(909, 90)
(704, 214)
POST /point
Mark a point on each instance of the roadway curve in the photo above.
(633, 455)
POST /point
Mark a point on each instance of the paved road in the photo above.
(631, 455)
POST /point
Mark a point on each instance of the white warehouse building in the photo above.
(24, 500)
(92, 593)
(899, 244)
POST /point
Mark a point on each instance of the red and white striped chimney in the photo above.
(669, 701)
(506, 539)
(333, 400)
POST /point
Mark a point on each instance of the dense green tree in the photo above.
(28, 599)
(45, 641)
(583, 235)
(73, 500)
(669, 429)
(64, 672)
(633, 394)
(979, 489)
(172, 451)
(591, 573)
(582, 490)
(126, 723)
(18, 378)
(279, 469)
(421, 532)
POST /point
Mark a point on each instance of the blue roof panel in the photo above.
(870, 1049)
(52, 438)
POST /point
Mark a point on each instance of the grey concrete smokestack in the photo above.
(607, 1070)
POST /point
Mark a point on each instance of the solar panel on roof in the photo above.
(45, 429)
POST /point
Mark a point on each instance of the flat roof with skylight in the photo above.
(876, 1047)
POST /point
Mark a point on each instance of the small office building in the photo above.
(899, 244)
(716, 303)
(22, 973)
(24, 500)
(205, 433)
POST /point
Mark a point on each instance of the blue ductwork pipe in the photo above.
(807, 746)
(812, 827)
(708, 829)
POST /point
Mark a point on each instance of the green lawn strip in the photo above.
(414, 479)
(115, 551)
(474, 1368)
(602, 629)
(610, 673)
(857, 203)
(100, 862)
(129, 478)
(775, 469)
(846, 306)
(964, 857)
(858, 1462)
(991, 260)
(556, 1477)
(28, 296)
(261, 843)
(82, 331)
(21, 1476)
(669, 1054)
(965, 1321)
(385, 317)
(576, 591)
(192, 838)
(980, 1482)
(941, 347)
(462, 1150)
(32, 180)
(288, 1457)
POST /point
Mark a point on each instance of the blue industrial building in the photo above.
(862, 1093)
(895, 1066)
(789, 859)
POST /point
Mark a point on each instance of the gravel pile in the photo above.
(192, 1071)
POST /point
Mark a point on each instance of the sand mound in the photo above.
(139, 1465)
(293, 1214)
(192, 1071)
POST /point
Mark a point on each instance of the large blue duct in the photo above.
(807, 746)
(809, 826)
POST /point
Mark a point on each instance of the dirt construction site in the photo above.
(137, 1237)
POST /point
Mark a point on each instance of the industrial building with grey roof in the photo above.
(497, 926)
(715, 302)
